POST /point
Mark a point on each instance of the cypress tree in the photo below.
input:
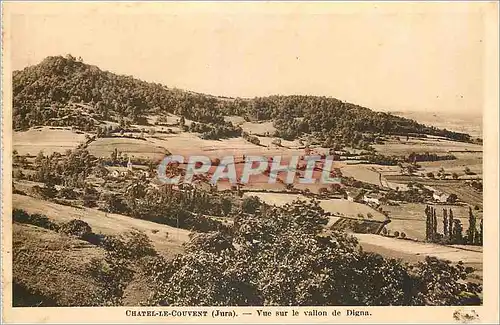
(481, 232)
(457, 234)
(434, 225)
(427, 222)
(472, 228)
(451, 224)
(445, 224)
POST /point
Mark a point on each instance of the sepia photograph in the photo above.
(305, 161)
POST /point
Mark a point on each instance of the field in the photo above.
(103, 147)
(431, 145)
(235, 119)
(362, 172)
(185, 143)
(47, 139)
(259, 128)
(474, 161)
(458, 187)
(410, 218)
(412, 252)
(345, 207)
(167, 240)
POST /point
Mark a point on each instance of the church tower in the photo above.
(129, 165)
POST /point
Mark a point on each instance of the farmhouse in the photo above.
(355, 195)
(440, 196)
(120, 171)
(373, 198)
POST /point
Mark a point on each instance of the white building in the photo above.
(372, 198)
(440, 196)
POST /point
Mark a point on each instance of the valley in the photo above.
(86, 159)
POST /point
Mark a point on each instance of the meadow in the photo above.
(47, 139)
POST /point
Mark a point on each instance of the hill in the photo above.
(64, 91)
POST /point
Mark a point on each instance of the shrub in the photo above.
(133, 244)
(452, 198)
(250, 204)
(67, 193)
(403, 235)
(35, 219)
(77, 228)
(114, 275)
(396, 234)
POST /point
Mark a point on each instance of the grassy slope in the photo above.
(107, 223)
(53, 267)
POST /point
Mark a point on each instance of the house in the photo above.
(120, 172)
(355, 195)
(375, 198)
(440, 196)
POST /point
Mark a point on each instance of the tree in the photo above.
(445, 225)
(226, 206)
(114, 155)
(454, 175)
(471, 231)
(111, 202)
(434, 225)
(452, 198)
(457, 236)
(428, 231)
(481, 240)
(451, 223)
(250, 204)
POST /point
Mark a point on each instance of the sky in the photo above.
(385, 56)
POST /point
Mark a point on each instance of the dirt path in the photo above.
(411, 251)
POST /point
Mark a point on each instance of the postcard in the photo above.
(250, 162)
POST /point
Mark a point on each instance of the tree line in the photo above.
(453, 232)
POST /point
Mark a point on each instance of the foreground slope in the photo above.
(166, 240)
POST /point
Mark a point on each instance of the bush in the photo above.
(133, 244)
(452, 198)
(77, 228)
(403, 235)
(114, 275)
(67, 193)
(35, 219)
(396, 234)
(250, 204)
